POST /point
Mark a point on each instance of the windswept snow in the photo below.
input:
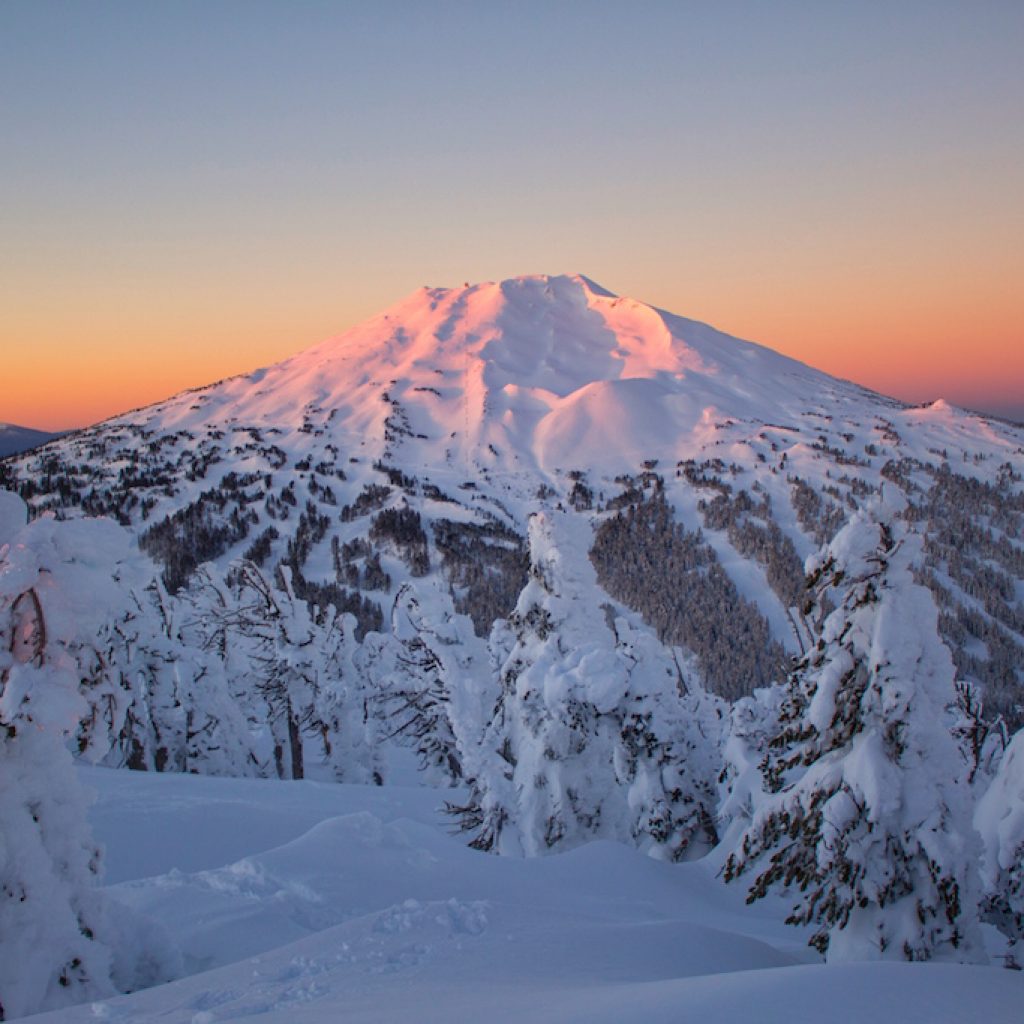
(305, 902)
(555, 371)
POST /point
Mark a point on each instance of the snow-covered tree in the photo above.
(350, 732)
(59, 943)
(999, 818)
(595, 734)
(753, 721)
(149, 704)
(291, 667)
(981, 738)
(868, 823)
(430, 695)
(269, 638)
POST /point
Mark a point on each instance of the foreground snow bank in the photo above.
(302, 902)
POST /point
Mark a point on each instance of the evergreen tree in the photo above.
(595, 734)
(753, 721)
(435, 675)
(1000, 820)
(59, 942)
(156, 699)
(277, 634)
(868, 823)
(294, 667)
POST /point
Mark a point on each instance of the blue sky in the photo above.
(192, 188)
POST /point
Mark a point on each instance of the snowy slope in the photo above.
(657, 477)
(489, 402)
(299, 902)
(556, 371)
(553, 372)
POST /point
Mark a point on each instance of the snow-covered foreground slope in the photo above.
(305, 902)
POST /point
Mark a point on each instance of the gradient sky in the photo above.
(190, 190)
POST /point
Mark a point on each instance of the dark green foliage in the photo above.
(397, 477)
(672, 578)
(486, 563)
(346, 570)
(761, 541)
(369, 499)
(820, 518)
(311, 529)
(200, 532)
(434, 493)
(259, 551)
(403, 528)
(322, 595)
(974, 564)
(581, 497)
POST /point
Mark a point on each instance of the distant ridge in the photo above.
(15, 439)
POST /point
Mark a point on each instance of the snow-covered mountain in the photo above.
(542, 549)
(459, 412)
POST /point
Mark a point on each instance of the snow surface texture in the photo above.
(305, 902)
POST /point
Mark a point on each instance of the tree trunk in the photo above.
(295, 745)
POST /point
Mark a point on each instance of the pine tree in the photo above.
(753, 721)
(999, 818)
(278, 635)
(436, 668)
(157, 700)
(59, 942)
(595, 734)
(868, 824)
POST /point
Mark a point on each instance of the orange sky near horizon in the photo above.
(841, 182)
(61, 374)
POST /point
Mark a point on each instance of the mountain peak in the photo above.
(530, 374)
(525, 282)
(549, 367)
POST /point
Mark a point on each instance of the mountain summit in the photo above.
(548, 369)
(698, 472)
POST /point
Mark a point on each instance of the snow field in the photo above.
(307, 903)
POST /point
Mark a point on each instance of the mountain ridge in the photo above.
(15, 439)
(507, 354)
(460, 412)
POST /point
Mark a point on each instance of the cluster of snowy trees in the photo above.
(868, 783)
(596, 732)
(754, 534)
(61, 941)
(672, 577)
(973, 562)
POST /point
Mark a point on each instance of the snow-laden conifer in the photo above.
(60, 942)
(753, 721)
(999, 818)
(596, 734)
(154, 700)
(434, 681)
(869, 825)
(289, 664)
